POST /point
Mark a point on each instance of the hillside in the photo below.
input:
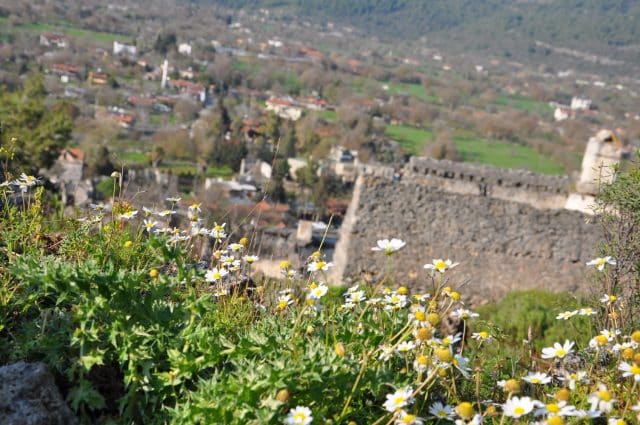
(502, 27)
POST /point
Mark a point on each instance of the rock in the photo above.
(29, 396)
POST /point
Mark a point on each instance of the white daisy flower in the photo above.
(600, 262)
(557, 351)
(566, 315)
(319, 266)
(250, 259)
(299, 415)
(399, 399)
(405, 418)
(516, 407)
(215, 274)
(440, 265)
(464, 314)
(601, 400)
(537, 378)
(388, 246)
(630, 370)
(318, 292)
(441, 411)
(128, 215)
(405, 347)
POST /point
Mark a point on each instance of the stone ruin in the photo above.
(509, 229)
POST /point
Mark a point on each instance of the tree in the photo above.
(164, 42)
(41, 131)
(99, 162)
(289, 143)
(156, 155)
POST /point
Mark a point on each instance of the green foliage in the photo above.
(610, 23)
(619, 215)
(41, 131)
(142, 333)
(524, 314)
(105, 188)
(229, 154)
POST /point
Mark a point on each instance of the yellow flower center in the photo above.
(635, 370)
(420, 316)
(483, 334)
(444, 355)
(561, 352)
(600, 261)
(440, 265)
(299, 416)
(465, 410)
(555, 420)
(399, 399)
(422, 360)
(604, 395)
(518, 410)
(553, 408)
(320, 265)
(602, 340)
(535, 380)
(408, 419)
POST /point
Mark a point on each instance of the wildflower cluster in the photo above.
(198, 341)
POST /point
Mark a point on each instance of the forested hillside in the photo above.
(586, 25)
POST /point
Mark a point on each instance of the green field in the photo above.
(72, 31)
(475, 149)
(413, 90)
(411, 139)
(505, 155)
(329, 115)
(525, 104)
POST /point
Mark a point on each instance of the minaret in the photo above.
(165, 69)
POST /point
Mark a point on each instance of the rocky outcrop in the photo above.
(29, 396)
(501, 245)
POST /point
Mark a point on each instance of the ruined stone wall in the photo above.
(537, 190)
(501, 244)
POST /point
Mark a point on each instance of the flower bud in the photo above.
(465, 410)
(283, 395)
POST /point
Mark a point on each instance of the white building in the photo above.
(184, 49)
(560, 114)
(124, 49)
(580, 103)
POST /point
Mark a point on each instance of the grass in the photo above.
(329, 116)
(223, 171)
(475, 149)
(187, 167)
(132, 157)
(505, 155)
(73, 31)
(525, 104)
(411, 139)
(413, 90)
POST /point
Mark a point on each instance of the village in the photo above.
(260, 125)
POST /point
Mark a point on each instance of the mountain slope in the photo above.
(591, 25)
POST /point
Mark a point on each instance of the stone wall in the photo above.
(501, 244)
(538, 190)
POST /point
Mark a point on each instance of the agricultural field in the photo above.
(69, 30)
(473, 149)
